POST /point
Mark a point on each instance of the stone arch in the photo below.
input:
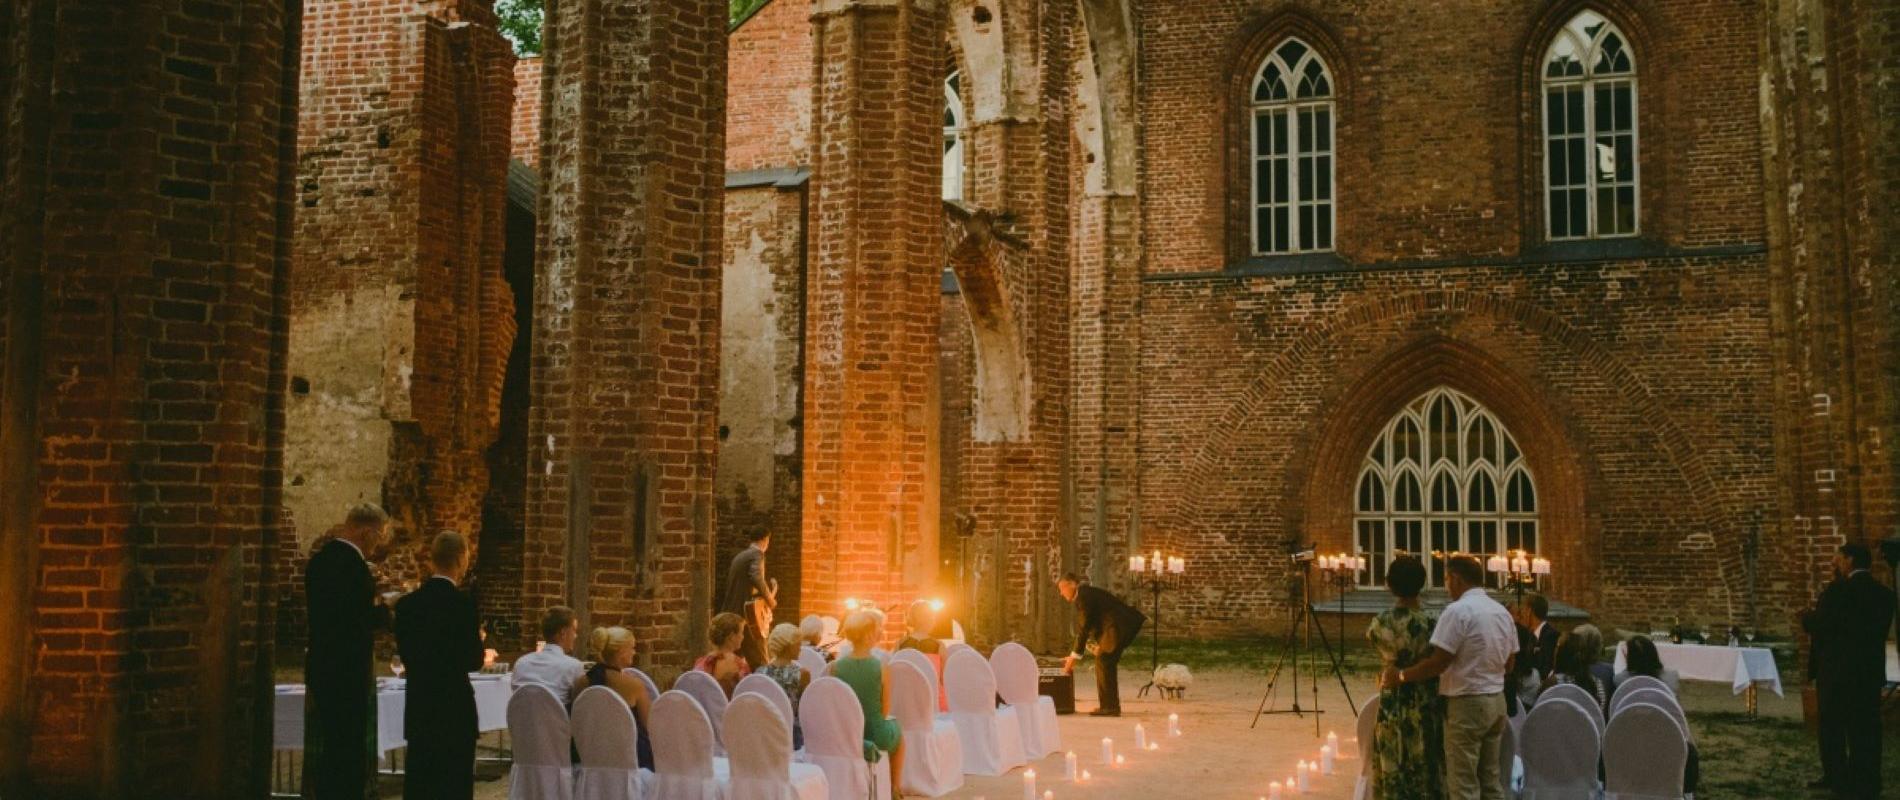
(1002, 378)
(1442, 355)
(1112, 47)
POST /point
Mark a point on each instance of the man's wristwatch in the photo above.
(1075, 655)
(1401, 676)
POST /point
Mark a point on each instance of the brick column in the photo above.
(871, 444)
(144, 241)
(626, 341)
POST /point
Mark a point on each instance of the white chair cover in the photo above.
(543, 768)
(916, 658)
(933, 753)
(1559, 746)
(1578, 695)
(952, 648)
(1507, 760)
(653, 689)
(1644, 753)
(770, 690)
(992, 738)
(882, 655)
(1368, 727)
(834, 740)
(682, 752)
(607, 738)
(761, 752)
(812, 660)
(1016, 681)
(712, 699)
(1632, 683)
(956, 630)
(1660, 698)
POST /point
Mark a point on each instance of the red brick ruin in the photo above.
(609, 308)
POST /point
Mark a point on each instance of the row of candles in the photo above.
(1156, 564)
(1300, 782)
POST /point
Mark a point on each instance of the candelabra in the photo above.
(1342, 571)
(1155, 573)
(1519, 570)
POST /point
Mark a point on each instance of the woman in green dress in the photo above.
(1408, 754)
(867, 677)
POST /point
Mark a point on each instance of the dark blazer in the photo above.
(439, 638)
(1849, 626)
(744, 576)
(343, 620)
(1105, 618)
(1545, 656)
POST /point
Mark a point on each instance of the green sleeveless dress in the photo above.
(865, 676)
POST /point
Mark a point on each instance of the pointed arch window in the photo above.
(953, 136)
(1292, 135)
(1590, 168)
(1443, 475)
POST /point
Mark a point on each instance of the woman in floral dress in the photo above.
(1408, 754)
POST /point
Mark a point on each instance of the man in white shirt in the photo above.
(552, 666)
(1472, 649)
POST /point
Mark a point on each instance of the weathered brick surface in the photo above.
(526, 127)
(768, 92)
(147, 200)
(625, 369)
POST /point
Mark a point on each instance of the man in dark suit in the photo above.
(1113, 625)
(1849, 663)
(345, 613)
(439, 637)
(745, 580)
(1536, 613)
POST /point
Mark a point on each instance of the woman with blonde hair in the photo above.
(725, 634)
(869, 680)
(782, 647)
(612, 651)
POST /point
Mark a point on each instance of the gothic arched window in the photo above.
(953, 137)
(1292, 152)
(1590, 175)
(1443, 476)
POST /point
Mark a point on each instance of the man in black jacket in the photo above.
(745, 582)
(1536, 613)
(345, 613)
(1113, 625)
(439, 637)
(1849, 663)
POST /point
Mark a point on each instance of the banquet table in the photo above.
(1742, 668)
(491, 710)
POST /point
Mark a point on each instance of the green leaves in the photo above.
(520, 20)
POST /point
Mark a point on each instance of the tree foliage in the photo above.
(520, 20)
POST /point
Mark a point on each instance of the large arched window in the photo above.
(1292, 152)
(953, 136)
(1590, 178)
(1444, 475)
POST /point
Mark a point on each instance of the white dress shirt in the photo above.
(1480, 636)
(552, 668)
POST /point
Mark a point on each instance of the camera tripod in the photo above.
(1306, 622)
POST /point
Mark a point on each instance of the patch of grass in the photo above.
(1766, 757)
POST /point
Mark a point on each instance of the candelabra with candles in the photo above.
(1156, 573)
(1519, 570)
(1342, 571)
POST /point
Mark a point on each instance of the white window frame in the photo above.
(1292, 107)
(954, 139)
(1576, 35)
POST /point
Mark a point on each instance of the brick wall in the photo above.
(768, 91)
(525, 139)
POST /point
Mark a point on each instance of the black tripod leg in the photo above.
(1273, 677)
(1337, 672)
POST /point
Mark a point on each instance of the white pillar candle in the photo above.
(1174, 724)
(1332, 738)
(1291, 787)
(1086, 775)
(1029, 784)
(1273, 791)
(1049, 795)
(1108, 750)
(1141, 737)
(1120, 761)
(1068, 766)
(1326, 759)
(1301, 771)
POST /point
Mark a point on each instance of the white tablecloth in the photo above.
(491, 710)
(1736, 666)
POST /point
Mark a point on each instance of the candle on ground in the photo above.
(1154, 745)
(1120, 761)
(1332, 738)
(1141, 737)
(1108, 750)
(1049, 795)
(1085, 776)
(1291, 787)
(1301, 771)
(1174, 724)
(1326, 759)
(1029, 784)
(1068, 765)
(1273, 791)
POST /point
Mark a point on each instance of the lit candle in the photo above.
(1177, 565)
(1085, 776)
(1332, 739)
(1326, 759)
(1174, 724)
(1068, 766)
(1141, 737)
(1137, 564)
(1495, 564)
(1301, 772)
(1029, 784)
(1273, 791)
(1120, 760)
(1154, 745)
(1291, 787)
(1520, 564)
(1108, 750)
(1049, 795)
(1540, 566)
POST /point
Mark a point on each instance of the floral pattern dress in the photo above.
(1408, 759)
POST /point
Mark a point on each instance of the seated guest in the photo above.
(1523, 680)
(918, 621)
(866, 676)
(612, 649)
(1640, 658)
(724, 663)
(552, 666)
(1577, 664)
(782, 647)
(811, 633)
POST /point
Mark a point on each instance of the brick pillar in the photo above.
(871, 443)
(626, 342)
(144, 241)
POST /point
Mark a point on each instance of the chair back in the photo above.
(1368, 729)
(953, 647)
(761, 743)
(833, 720)
(1632, 683)
(916, 658)
(604, 730)
(685, 748)
(1644, 752)
(1661, 698)
(913, 700)
(539, 726)
(653, 689)
(970, 682)
(1015, 671)
(1578, 695)
(770, 690)
(1559, 745)
(705, 688)
(1507, 759)
(812, 660)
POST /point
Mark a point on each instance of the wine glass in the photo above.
(395, 665)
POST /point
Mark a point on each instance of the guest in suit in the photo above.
(345, 613)
(745, 580)
(612, 650)
(1536, 617)
(439, 637)
(1849, 663)
(1113, 625)
(553, 666)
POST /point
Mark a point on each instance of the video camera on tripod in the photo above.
(1299, 637)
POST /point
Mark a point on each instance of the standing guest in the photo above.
(1408, 758)
(612, 651)
(345, 613)
(1523, 682)
(1641, 658)
(1536, 613)
(746, 583)
(1848, 624)
(1113, 625)
(724, 662)
(782, 647)
(867, 677)
(552, 666)
(918, 621)
(1577, 662)
(439, 637)
(1472, 650)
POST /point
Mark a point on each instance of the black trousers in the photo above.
(1108, 658)
(339, 765)
(441, 763)
(1850, 737)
